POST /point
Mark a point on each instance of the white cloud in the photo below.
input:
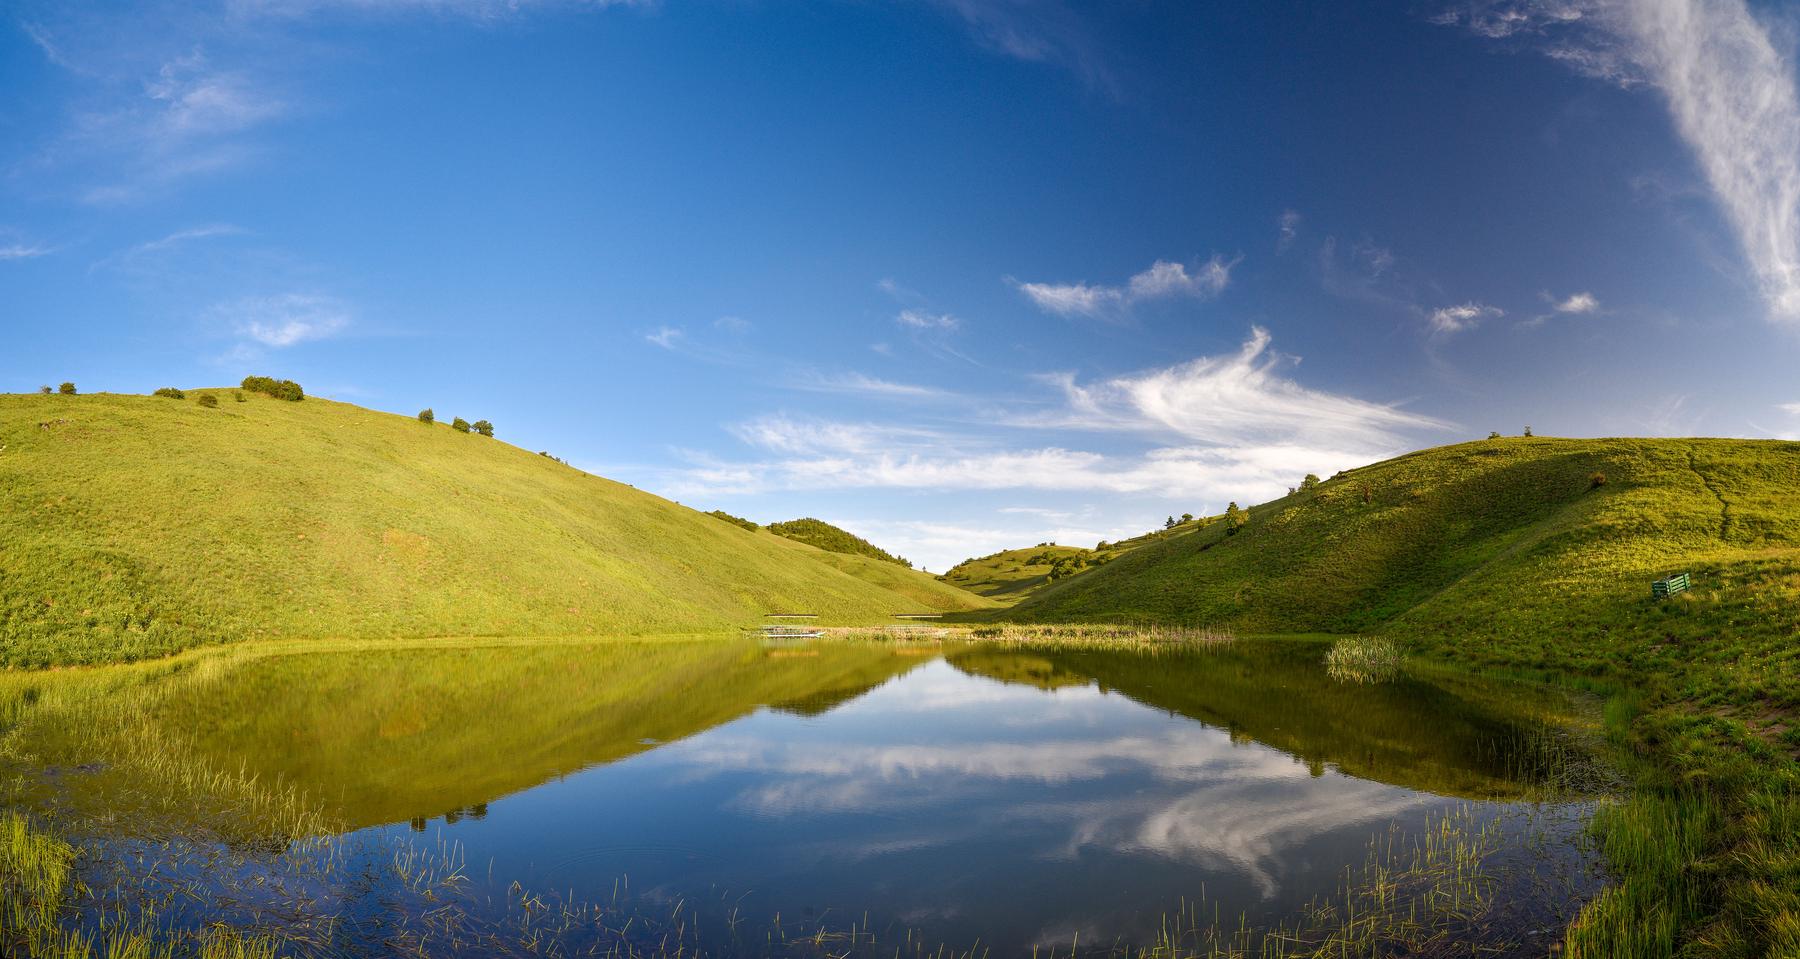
(286, 319)
(864, 384)
(1729, 86)
(732, 324)
(1288, 226)
(1577, 303)
(1238, 398)
(664, 336)
(188, 119)
(1456, 319)
(22, 251)
(1222, 428)
(1163, 279)
(924, 320)
(1042, 32)
(1791, 409)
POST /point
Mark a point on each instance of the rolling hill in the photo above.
(1531, 553)
(817, 532)
(133, 526)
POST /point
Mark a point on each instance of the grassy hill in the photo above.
(133, 526)
(1011, 575)
(1536, 556)
(816, 532)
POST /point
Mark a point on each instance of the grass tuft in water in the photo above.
(1363, 659)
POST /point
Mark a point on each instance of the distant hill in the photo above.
(817, 532)
(1519, 534)
(134, 526)
(1011, 575)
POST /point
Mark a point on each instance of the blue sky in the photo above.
(957, 275)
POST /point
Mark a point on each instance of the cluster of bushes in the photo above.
(827, 537)
(171, 393)
(461, 425)
(67, 389)
(734, 520)
(279, 389)
(1069, 565)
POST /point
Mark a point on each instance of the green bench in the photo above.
(1669, 586)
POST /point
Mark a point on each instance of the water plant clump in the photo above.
(1364, 659)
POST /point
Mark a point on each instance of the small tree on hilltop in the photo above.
(1169, 523)
(45, 390)
(1187, 517)
(427, 417)
(67, 389)
(460, 425)
(1527, 431)
(1494, 434)
(1311, 482)
(484, 428)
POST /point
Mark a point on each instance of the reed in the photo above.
(1363, 660)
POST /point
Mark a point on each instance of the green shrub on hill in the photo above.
(170, 392)
(460, 425)
(279, 389)
(209, 401)
(816, 532)
(67, 389)
(484, 428)
(734, 520)
(427, 417)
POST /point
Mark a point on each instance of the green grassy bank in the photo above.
(1535, 557)
(134, 526)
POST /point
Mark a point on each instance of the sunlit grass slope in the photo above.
(1508, 554)
(134, 526)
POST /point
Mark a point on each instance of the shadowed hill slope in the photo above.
(133, 526)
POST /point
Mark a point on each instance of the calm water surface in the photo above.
(1019, 797)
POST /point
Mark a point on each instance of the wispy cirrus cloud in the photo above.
(667, 337)
(23, 251)
(862, 383)
(1448, 320)
(284, 320)
(1575, 304)
(1287, 230)
(1241, 430)
(1237, 398)
(1164, 279)
(1730, 88)
(1035, 31)
(190, 118)
(926, 320)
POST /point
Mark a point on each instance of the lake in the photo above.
(730, 797)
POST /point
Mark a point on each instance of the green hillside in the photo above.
(133, 526)
(1536, 556)
(1011, 575)
(817, 532)
(1516, 529)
